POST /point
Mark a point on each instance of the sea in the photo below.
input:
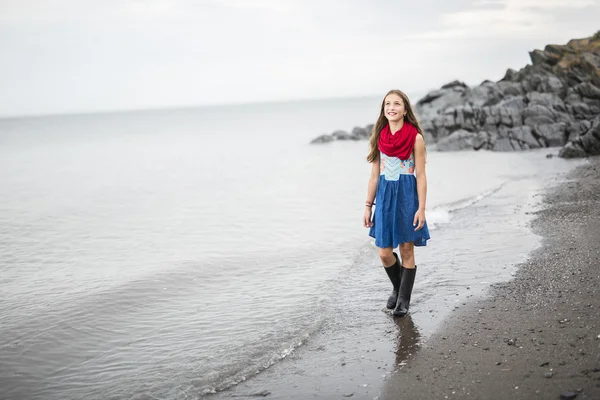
(183, 253)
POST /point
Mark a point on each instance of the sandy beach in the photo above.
(536, 337)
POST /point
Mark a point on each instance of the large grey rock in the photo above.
(581, 111)
(590, 140)
(455, 84)
(572, 150)
(359, 133)
(586, 89)
(590, 63)
(341, 135)
(458, 140)
(322, 139)
(523, 136)
(483, 140)
(549, 100)
(552, 134)
(551, 84)
(430, 106)
(503, 144)
(538, 114)
(583, 145)
(486, 94)
(511, 88)
(540, 57)
(514, 103)
(577, 128)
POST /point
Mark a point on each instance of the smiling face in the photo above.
(393, 108)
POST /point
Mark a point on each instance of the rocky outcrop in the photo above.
(357, 133)
(555, 101)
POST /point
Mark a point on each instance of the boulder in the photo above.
(341, 135)
(322, 139)
(552, 134)
(587, 89)
(454, 84)
(524, 137)
(359, 133)
(457, 140)
(586, 144)
(503, 144)
(538, 114)
(511, 88)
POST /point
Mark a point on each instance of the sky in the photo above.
(74, 56)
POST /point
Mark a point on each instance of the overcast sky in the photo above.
(61, 56)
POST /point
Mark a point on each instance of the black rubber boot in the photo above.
(406, 287)
(395, 274)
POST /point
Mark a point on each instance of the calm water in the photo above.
(173, 254)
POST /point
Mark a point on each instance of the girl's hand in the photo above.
(367, 223)
(419, 220)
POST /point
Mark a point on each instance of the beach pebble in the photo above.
(548, 374)
(348, 394)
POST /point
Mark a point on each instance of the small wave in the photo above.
(258, 363)
(437, 216)
(443, 214)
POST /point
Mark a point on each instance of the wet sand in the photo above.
(535, 337)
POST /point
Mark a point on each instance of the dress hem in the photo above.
(421, 242)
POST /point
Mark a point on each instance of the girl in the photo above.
(399, 187)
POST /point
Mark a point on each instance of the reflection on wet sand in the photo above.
(407, 340)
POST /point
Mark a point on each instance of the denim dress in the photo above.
(396, 203)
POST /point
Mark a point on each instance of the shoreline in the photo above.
(536, 336)
(361, 355)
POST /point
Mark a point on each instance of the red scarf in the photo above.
(400, 144)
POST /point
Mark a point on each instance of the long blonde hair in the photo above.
(382, 122)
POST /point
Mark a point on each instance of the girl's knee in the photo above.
(385, 252)
(407, 250)
(387, 256)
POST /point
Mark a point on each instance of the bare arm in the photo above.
(421, 181)
(373, 181)
(371, 192)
